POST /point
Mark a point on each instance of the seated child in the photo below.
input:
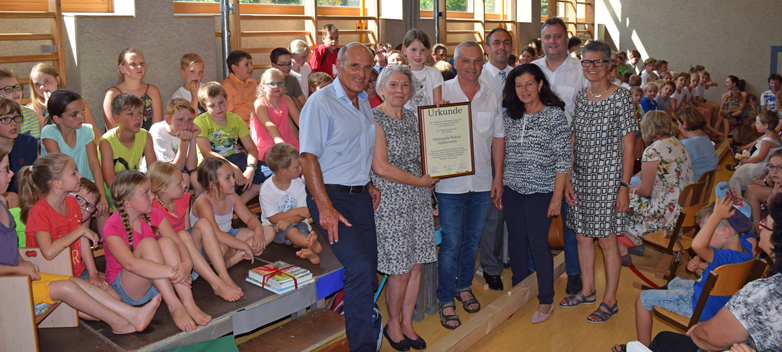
(218, 204)
(174, 139)
(74, 291)
(221, 132)
(200, 240)
(634, 81)
(318, 80)
(284, 204)
(45, 80)
(626, 79)
(663, 98)
(11, 88)
(374, 99)
(274, 113)
(300, 54)
(192, 70)
(681, 96)
(143, 253)
(132, 69)
(54, 218)
(239, 86)
(749, 169)
(123, 147)
(324, 58)
(638, 95)
(717, 243)
(648, 103)
(661, 67)
(281, 60)
(22, 149)
(65, 133)
(648, 69)
(88, 196)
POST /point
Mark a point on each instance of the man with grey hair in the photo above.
(465, 199)
(337, 143)
(564, 74)
(499, 43)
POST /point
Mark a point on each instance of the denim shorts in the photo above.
(281, 235)
(117, 284)
(232, 232)
(85, 275)
(677, 298)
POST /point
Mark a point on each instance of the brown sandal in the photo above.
(468, 302)
(444, 319)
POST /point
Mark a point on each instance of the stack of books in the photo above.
(280, 277)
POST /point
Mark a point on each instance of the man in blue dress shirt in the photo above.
(337, 140)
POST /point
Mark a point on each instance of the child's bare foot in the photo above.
(182, 319)
(197, 314)
(227, 292)
(230, 282)
(308, 254)
(126, 328)
(145, 313)
(234, 259)
(312, 242)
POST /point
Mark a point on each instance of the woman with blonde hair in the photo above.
(666, 168)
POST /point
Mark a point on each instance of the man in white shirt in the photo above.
(463, 200)
(498, 46)
(566, 77)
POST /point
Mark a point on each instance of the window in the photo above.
(67, 5)
(450, 5)
(268, 2)
(344, 3)
(543, 10)
(493, 6)
(278, 7)
(563, 10)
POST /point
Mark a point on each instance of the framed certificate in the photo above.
(446, 140)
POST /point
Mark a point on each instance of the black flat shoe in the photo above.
(417, 344)
(494, 282)
(573, 284)
(402, 345)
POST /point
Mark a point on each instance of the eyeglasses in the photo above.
(770, 167)
(84, 204)
(11, 89)
(597, 63)
(289, 64)
(7, 171)
(275, 84)
(7, 120)
(762, 224)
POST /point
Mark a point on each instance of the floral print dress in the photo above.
(660, 211)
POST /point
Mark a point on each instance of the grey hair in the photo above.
(388, 70)
(343, 51)
(598, 47)
(469, 43)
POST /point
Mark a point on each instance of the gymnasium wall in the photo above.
(728, 37)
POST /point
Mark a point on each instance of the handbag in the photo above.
(555, 233)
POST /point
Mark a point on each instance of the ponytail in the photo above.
(28, 195)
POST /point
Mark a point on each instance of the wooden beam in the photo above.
(26, 36)
(26, 14)
(275, 33)
(483, 322)
(27, 58)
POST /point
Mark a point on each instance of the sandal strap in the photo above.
(604, 314)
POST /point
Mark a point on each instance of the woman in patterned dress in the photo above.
(603, 134)
(537, 160)
(666, 168)
(403, 219)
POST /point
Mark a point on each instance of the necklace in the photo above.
(165, 207)
(598, 96)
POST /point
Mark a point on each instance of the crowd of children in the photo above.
(165, 180)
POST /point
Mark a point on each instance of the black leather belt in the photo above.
(348, 189)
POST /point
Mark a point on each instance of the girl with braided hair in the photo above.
(144, 255)
(168, 186)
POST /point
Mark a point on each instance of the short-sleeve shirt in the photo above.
(224, 139)
(241, 96)
(78, 153)
(769, 100)
(721, 257)
(115, 227)
(704, 156)
(426, 81)
(681, 97)
(758, 307)
(647, 105)
(304, 78)
(292, 87)
(44, 218)
(274, 200)
(662, 103)
(24, 153)
(185, 94)
(126, 158)
(177, 221)
(340, 135)
(9, 247)
(487, 124)
(323, 60)
(30, 123)
(166, 145)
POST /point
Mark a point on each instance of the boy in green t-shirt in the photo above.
(221, 132)
(123, 147)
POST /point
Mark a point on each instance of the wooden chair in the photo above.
(18, 326)
(708, 179)
(725, 280)
(673, 247)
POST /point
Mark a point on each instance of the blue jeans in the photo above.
(357, 252)
(462, 217)
(677, 298)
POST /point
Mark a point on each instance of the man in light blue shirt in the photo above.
(337, 134)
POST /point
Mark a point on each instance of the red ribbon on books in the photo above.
(281, 271)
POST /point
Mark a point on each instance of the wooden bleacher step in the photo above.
(316, 331)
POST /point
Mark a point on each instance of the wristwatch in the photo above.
(626, 185)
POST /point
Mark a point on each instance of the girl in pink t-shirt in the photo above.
(144, 255)
(171, 199)
(274, 111)
(53, 217)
